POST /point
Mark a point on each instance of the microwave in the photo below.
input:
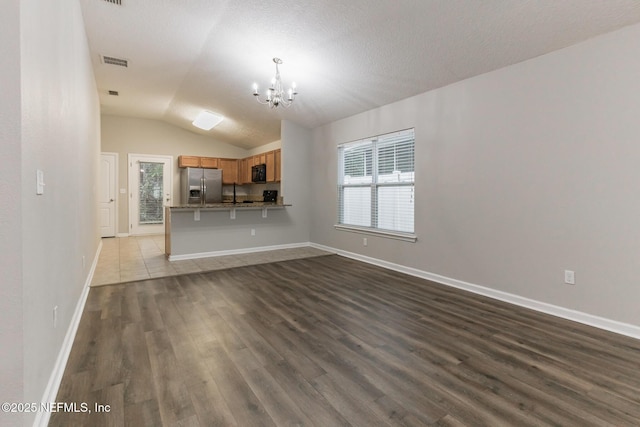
(259, 173)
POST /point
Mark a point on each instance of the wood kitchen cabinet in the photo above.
(270, 161)
(273, 162)
(240, 171)
(229, 169)
(197, 162)
(278, 165)
(247, 164)
(237, 170)
(259, 159)
(244, 171)
(209, 162)
(188, 162)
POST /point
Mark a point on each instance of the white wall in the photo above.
(125, 135)
(296, 177)
(11, 298)
(521, 173)
(275, 145)
(56, 107)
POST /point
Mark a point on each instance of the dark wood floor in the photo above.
(329, 341)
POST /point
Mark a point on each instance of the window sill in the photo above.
(406, 237)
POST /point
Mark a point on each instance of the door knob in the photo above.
(111, 200)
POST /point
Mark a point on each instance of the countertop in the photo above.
(230, 205)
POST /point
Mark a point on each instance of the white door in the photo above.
(107, 194)
(150, 189)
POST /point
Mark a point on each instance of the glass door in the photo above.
(150, 186)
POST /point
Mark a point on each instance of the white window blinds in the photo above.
(376, 182)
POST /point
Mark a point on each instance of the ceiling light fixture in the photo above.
(275, 94)
(206, 120)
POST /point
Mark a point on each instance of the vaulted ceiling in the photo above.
(345, 56)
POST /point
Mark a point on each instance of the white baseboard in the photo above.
(50, 393)
(629, 330)
(122, 235)
(238, 251)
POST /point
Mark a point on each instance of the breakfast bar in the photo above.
(196, 231)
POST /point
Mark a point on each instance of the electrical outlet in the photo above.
(364, 241)
(253, 231)
(569, 277)
(83, 262)
(55, 316)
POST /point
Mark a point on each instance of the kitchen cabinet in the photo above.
(248, 171)
(273, 162)
(240, 172)
(188, 162)
(244, 171)
(229, 170)
(209, 162)
(270, 161)
(197, 162)
(237, 170)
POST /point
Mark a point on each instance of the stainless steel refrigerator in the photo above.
(200, 186)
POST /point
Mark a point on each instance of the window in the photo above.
(376, 184)
(150, 193)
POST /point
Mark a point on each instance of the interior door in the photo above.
(150, 190)
(107, 194)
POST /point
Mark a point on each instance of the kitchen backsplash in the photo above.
(249, 192)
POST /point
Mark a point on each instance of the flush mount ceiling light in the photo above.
(275, 94)
(206, 120)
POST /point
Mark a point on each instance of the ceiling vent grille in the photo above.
(118, 2)
(115, 61)
(114, 93)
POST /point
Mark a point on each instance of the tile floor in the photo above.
(127, 259)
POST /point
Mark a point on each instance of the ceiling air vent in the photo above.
(115, 61)
(118, 2)
(114, 93)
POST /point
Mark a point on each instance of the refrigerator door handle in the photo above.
(203, 199)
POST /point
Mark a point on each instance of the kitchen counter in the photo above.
(194, 230)
(230, 205)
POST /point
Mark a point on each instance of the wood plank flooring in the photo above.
(329, 341)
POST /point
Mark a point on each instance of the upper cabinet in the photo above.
(237, 171)
(260, 159)
(270, 161)
(229, 170)
(278, 165)
(244, 170)
(209, 162)
(188, 162)
(197, 162)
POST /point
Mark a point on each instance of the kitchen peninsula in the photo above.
(197, 231)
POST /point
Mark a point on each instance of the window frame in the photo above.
(374, 185)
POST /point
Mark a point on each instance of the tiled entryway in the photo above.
(126, 259)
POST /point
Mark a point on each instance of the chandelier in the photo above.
(275, 94)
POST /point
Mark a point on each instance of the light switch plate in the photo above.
(39, 182)
(569, 277)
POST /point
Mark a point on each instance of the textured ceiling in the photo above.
(345, 56)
